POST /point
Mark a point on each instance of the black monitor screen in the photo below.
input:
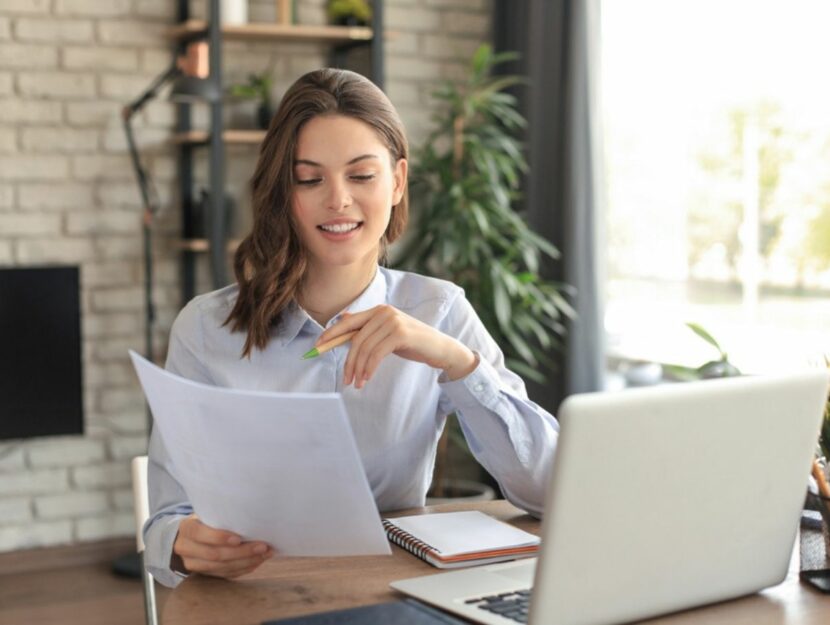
(40, 357)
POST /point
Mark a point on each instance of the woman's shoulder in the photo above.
(208, 310)
(407, 290)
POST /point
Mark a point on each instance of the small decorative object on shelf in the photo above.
(257, 88)
(234, 12)
(285, 11)
(349, 12)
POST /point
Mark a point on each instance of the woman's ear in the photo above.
(400, 174)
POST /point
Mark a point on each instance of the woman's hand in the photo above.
(204, 549)
(385, 330)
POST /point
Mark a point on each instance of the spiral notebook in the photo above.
(451, 540)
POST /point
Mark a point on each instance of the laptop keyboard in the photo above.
(513, 605)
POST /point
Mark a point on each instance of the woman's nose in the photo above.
(339, 197)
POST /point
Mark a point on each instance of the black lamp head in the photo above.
(190, 88)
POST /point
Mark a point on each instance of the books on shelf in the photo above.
(456, 539)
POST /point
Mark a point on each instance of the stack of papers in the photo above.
(277, 467)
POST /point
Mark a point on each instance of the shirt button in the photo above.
(478, 387)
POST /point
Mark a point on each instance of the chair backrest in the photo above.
(141, 505)
(141, 502)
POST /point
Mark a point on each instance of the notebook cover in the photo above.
(407, 611)
(484, 547)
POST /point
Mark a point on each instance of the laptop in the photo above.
(660, 499)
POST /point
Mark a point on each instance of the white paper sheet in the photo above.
(278, 467)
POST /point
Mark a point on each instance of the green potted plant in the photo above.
(349, 12)
(465, 178)
(257, 87)
(717, 368)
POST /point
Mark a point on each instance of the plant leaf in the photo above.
(698, 329)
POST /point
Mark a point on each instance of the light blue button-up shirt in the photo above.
(397, 417)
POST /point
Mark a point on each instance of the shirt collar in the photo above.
(294, 318)
(373, 295)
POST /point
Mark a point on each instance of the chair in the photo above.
(141, 504)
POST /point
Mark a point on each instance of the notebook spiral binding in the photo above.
(407, 541)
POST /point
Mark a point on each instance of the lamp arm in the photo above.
(148, 197)
(149, 200)
(136, 105)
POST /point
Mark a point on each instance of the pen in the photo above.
(329, 345)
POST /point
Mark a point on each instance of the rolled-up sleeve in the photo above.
(510, 435)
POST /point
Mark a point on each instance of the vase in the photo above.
(264, 113)
(233, 12)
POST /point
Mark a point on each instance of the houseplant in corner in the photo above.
(257, 87)
(464, 180)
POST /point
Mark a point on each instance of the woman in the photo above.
(329, 195)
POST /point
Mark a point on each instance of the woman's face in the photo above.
(345, 188)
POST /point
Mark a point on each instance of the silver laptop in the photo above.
(661, 499)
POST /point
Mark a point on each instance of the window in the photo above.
(716, 119)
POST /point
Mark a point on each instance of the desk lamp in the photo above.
(191, 81)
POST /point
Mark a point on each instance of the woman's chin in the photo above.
(346, 259)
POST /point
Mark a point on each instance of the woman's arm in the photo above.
(511, 436)
(176, 541)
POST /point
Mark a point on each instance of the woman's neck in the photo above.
(327, 291)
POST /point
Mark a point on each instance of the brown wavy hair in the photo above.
(270, 263)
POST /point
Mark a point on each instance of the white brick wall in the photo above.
(68, 196)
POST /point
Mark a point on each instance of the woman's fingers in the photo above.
(213, 553)
(375, 330)
(347, 323)
(368, 350)
(381, 350)
(192, 528)
(230, 568)
(244, 570)
(385, 330)
(205, 549)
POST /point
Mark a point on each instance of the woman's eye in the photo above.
(309, 181)
(363, 177)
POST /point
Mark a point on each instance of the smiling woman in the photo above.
(329, 194)
(345, 198)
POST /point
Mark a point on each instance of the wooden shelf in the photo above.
(244, 137)
(274, 32)
(203, 245)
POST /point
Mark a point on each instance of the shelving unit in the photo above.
(195, 29)
(200, 137)
(340, 39)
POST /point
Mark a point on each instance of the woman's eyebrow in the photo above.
(362, 157)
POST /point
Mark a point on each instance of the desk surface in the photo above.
(295, 586)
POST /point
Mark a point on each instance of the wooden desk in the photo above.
(295, 586)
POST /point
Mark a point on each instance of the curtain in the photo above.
(563, 199)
